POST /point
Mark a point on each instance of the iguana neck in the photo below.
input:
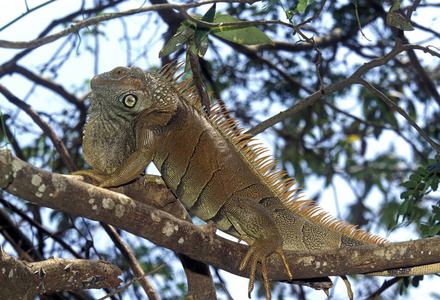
(111, 138)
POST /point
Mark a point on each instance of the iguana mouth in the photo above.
(96, 81)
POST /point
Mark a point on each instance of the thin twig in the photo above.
(311, 99)
(412, 9)
(132, 261)
(309, 20)
(385, 285)
(74, 28)
(223, 284)
(400, 110)
(26, 13)
(132, 281)
(354, 78)
(315, 47)
(55, 87)
(40, 227)
(58, 144)
(377, 125)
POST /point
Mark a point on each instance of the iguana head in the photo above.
(132, 90)
(121, 100)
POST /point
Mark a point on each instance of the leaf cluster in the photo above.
(195, 36)
(419, 185)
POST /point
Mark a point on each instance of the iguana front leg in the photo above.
(130, 168)
(258, 229)
(146, 147)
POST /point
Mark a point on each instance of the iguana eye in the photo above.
(118, 71)
(129, 100)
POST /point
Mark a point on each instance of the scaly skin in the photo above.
(139, 117)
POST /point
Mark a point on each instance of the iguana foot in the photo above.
(348, 285)
(259, 251)
(258, 229)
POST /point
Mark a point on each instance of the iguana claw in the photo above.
(260, 250)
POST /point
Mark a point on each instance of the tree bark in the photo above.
(24, 280)
(66, 193)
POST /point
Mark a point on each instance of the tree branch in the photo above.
(41, 228)
(356, 77)
(67, 194)
(56, 88)
(23, 280)
(400, 110)
(74, 28)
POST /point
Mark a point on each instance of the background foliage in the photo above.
(350, 150)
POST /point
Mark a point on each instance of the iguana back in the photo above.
(206, 160)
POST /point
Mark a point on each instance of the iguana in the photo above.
(216, 171)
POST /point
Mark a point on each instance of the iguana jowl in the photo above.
(137, 117)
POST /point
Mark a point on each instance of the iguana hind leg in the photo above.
(258, 229)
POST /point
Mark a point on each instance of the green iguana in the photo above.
(215, 170)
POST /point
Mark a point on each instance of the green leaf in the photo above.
(267, 6)
(421, 186)
(203, 31)
(416, 194)
(410, 184)
(422, 171)
(181, 37)
(302, 5)
(209, 15)
(203, 47)
(415, 177)
(416, 280)
(243, 34)
(395, 19)
(404, 207)
(406, 194)
(434, 184)
(410, 207)
(396, 5)
(290, 13)
(433, 231)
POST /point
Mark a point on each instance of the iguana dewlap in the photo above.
(217, 172)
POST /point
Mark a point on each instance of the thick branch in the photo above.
(23, 280)
(67, 194)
